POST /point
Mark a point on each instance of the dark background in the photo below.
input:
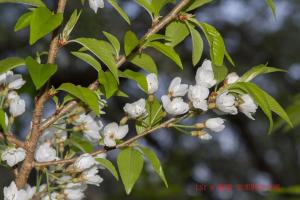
(244, 152)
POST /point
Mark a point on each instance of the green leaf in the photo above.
(79, 142)
(168, 51)
(39, 73)
(88, 59)
(145, 62)
(23, 21)
(176, 32)
(130, 42)
(71, 24)
(197, 45)
(109, 83)
(114, 42)
(103, 51)
(3, 120)
(154, 117)
(37, 3)
(266, 102)
(84, 94)
(130, 163)
(10, 63)
(147, 6)
(43, 21)
(194, 4)
(158, 5)
(114, 4)
(272, 5)
(216, 43)
(108, 165)
(220, 72)
(155, 164)
(258, 70)
(137, 77)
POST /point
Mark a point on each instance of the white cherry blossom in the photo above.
(12, 193)
(248, 106)
(95, 4)
(45, 153)
(152, 83)
(205, 75)
(215, 124)
(16, 104)
(225, 102)
(176, 89)
(205, 136)
(176, 106)
(91, 176)
(75, 191)
(84, 162)
(113, 132)
(136, 109)
(13, 156)
(13, 82)
(90, 127)
(232, 78)
(197, 95)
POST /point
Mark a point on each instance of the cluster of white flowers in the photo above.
(13, 156)
(9, 82)
(12, 193)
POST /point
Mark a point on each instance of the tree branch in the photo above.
(31, 143)
(119, 146)
(12, 139)
(94, 86)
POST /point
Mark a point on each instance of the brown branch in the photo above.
(156, 28)
(119, 146)
(31, 143)
(12, 139)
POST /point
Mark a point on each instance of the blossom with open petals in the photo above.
(113, 132)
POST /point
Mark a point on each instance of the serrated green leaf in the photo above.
(88, 59)
(197, 45)
(114, 4)
(154, 37)
(103, 51)
(107, 80)
(79, 142)
(159, 4)
(23, 21)
(264, 100)
(194, 4)
(215, 40)
(71, 24)
(114, 42)
(130, 42)
(147, 6)
(86, 95)
(130, 163)
(137, 77)
(145, 62)
(151, 156)
(154, 117)
(39, 73)
(42, 22)
(109, 166)
(10, 63)
(258, 70)
(168, 51)
(37, 3)
(3, 120)
(176, 32)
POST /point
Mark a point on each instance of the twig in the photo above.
(31, 143)
(94, 86)
(12, 139)
(119, 146)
